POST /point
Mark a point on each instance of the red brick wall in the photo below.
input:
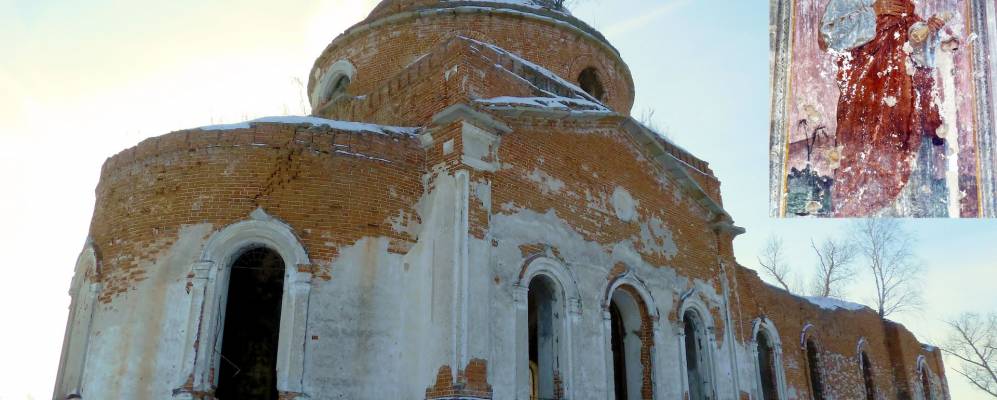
(892, 349)
(380, 54)
(592, 159)
(148, 192)
(332, 199)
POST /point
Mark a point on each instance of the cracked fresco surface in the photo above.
(879, 110)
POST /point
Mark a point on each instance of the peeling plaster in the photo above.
(655, 237)
(548, 184)
(624, 205)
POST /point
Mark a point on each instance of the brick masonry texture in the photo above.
(419, 243)
(334, 187)
(379, 54)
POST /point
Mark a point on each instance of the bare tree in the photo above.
(647, 119)
(974, 342)
(772, 262)
(302, 94)
(561, 4)
(564, 4)
(888, 252)
(835, 261)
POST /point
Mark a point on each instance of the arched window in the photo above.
(214, 301)
(331, 83)
(589, 81)
(619, 352)
(925, 381)
(697, 362)
(544, 337)
(766, 367)
(815, 370)
(252, 323)
(867, 377)
(631, 339)
(338, 88)
(546, 300)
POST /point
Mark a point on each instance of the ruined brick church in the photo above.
(491, 224)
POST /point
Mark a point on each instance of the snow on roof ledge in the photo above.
(828, 303)
(534, 4)
(315, 121)
(556, 103)
(577, 91)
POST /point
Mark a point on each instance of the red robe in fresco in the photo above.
(884, 109)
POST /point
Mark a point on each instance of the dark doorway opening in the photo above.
(766, 367)
(926, 383)
(695, 357)
(816, 380)
(248, 369)
(543, 337)
(870, 386)
(619, 351)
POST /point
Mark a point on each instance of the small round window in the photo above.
(590, 83)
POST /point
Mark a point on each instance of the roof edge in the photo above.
(587, 32)
(722, 220)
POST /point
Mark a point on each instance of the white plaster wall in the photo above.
(138, 338)
(590, 263)
(83, 293)
(385, 323)
(355, 342)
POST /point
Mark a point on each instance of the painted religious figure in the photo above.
(878, 115)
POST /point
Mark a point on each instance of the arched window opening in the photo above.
(589, 81)
(631, 354)
(248, 368)
(926, 383)
(619, 357)
(544, 340)
(816, 378)
(332, 83)
(766, 367)
(870, 386)
(338, 88)
(696, 361)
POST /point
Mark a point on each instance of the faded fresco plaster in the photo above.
(938, 167)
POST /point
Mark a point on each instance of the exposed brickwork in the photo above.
(558, 386)
(289, 395)
(444, 385)
(471, 382)
(564, 151)
(334, 187)
(379, 54)
(892, 349)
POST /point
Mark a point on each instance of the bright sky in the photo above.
(79, 84)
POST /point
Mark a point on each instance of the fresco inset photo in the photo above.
(882, 108)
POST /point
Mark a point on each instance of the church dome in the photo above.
(545, 8)
(398, 33)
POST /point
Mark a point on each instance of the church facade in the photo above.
(492, 225)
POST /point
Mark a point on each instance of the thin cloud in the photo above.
(632, 24)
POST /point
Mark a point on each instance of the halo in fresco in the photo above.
(882, 108)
